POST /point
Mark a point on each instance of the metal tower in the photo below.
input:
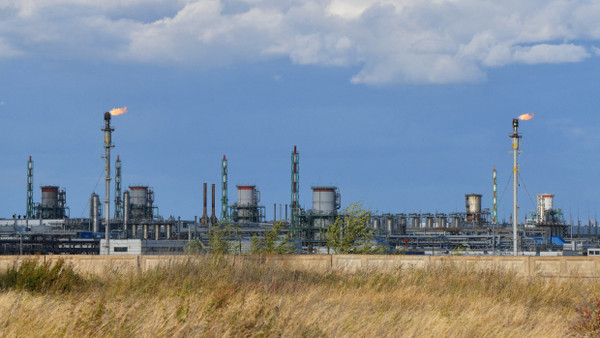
(494, 199)
(107, 145)
(30, 208)
(515, 150)
(294, 206)
(224, 199)
(118, 201)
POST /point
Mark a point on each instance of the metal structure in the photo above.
(516, 138)
(53, 204)
(473, 207)
(126, 212)
(246, 209)
(107, 146)
(95, 212)
(30, 207)
(494, 198)
(204, 219)
(141, 202)
(545, 204)
(224, 198)
(118, 201)
(295, 183)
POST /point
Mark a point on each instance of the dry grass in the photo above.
(211, 297)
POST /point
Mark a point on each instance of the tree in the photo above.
(273, 243)
(351, 233)
(220, 238)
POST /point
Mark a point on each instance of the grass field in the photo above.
(211, 297)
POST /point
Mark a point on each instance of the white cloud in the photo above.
(424, 41)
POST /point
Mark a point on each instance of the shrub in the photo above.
(588, 321)
(36, 277)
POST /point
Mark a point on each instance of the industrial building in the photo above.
(137, 227)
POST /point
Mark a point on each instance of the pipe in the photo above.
(169, 231)
(204, 219)
(145, 231)
(156, 232)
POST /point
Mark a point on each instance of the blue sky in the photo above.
(404, 105)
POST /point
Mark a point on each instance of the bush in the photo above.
(35, 277)
(588, 321)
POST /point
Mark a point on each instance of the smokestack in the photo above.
(107, 145)
(213, 217)
(204, 219)
(515, 147)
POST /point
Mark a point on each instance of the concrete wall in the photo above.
(553, 267)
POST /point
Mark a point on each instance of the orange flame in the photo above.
(527, 116)
(118, 111)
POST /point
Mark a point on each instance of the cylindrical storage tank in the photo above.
(415, 221)
(376, 223)
(389, 225)
(247, 196)
(139, 196)
(49, 196)
(455, 221)
(324, 200)
(473, 206)
(429, 221)
(545, 202)
(402, 223)
(442, 221)
(548, 201)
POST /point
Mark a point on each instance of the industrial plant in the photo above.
(135, 226)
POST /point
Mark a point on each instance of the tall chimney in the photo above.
(107, 145)
(204, 219)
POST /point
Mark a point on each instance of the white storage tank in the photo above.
(326, 200)
(248, 196)
(473, 206)
(545, 202)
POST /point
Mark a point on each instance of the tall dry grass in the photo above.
(209, 296)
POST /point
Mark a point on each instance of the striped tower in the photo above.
(494, 199)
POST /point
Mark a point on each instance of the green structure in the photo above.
(118, 200)
(294, 205)
(30, 207)
(224, 199)
(494, 199)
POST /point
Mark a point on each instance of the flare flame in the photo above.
(118, 111)
(527, 116)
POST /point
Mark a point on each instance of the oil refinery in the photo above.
(136, 227)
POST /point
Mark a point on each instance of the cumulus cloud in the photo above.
(389, 41)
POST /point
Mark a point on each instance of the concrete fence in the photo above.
(553, 267)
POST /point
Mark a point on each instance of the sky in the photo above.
(403, 105)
